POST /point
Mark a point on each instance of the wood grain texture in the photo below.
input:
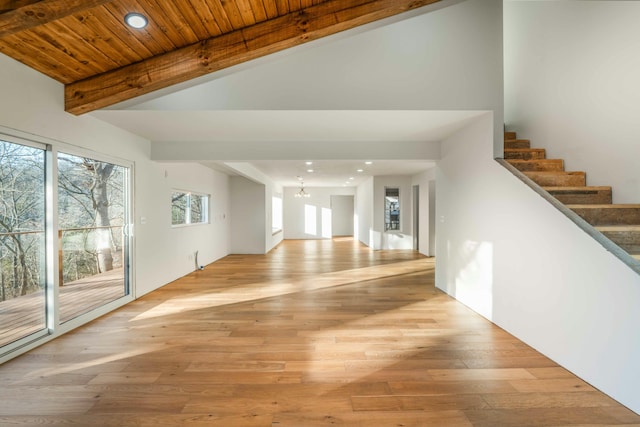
(291, 28)
(31, 14)
(315, 333)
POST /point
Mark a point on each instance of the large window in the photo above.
(276, 214)
(189, 208)
(391, 209)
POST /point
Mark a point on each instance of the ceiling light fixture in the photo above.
(368, 163)
(136, 20)
(308, 163)
(301, 192)
(360, 170)
(310, 170)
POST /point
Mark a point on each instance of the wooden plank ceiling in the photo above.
(86, 45)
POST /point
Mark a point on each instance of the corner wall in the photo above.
(571, 86)
(512, 257)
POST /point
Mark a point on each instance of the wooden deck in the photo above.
(23, 316)
(315, 333)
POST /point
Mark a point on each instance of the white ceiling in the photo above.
(268, 126)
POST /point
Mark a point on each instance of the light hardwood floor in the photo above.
(315, 333)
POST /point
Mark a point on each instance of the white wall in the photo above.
(449, 59)
(402, 239)
(310, 218)
(364, 212)
(247, 216)
(426, 202)
(571, 86)
(548, 282)
(210, 240)
(342, 215)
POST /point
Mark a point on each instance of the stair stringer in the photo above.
(610, 246)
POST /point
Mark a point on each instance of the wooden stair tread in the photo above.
(572, 195)
(611, 206)
(517, 143)
(581, 189)
(538, 165)
(619, 228)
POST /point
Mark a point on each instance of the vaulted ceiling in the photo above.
(86, 45)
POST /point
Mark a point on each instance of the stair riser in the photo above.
(583, 197)
(517, 143)
(509, 135)
(559, 179)
(609, 216)
(531, 154)
(627, 240)
(547, 165)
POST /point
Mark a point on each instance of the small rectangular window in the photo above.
(391, 209)
(189, 208)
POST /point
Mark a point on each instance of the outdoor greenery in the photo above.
(22, 218)
(90, 217)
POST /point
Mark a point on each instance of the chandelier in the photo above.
(302, 192)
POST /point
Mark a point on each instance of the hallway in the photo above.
(315, 333)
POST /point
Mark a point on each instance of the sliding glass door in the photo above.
(22, 242)
(92, 240)
(64, 240)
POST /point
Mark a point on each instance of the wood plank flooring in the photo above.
(315, 333)
(22, 316)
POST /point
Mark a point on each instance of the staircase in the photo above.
(619, 223)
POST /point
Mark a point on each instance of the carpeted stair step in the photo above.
(625, 236)
(524, 153)
(540, 165)
(581, 195)
(608, 214)
(510, 135)
(558, 179)
(517, 143)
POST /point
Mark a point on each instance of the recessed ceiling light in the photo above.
(360, 170)
(136, 20)
(368, 163)
(299, 178)
(310, 170)
(350, 177)
(308, 163)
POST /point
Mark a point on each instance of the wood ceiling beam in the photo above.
(227, 50)
(22, 15)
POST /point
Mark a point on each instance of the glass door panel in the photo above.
(22, 242)
(93, 248)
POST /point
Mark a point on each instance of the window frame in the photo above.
(188, 219)
(387, 212)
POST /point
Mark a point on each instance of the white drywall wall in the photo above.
(247, 216)
(211, 240)
(342, 211)
(511, 256)
(310, 218)
(426, 210)
(571, 86)
(448, 59)
(364, 212)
